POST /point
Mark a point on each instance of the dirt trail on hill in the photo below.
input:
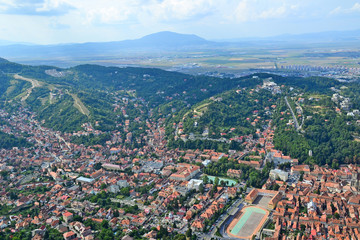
(34, 83)
(79, 105)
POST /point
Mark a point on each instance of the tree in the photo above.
(335, 164)
(163, 233)
(276, 187)
(77, 218)
(104, 224)
(216, 181)
(301, 178)
(333, 208)
(4, 174)
(90, 223)
(125, 191)
(103, 186)
(302, 226)
(116, 213)
(97, 166)
(180, 237)
(201, 188)
(13, 196)
(53, 234)
(223, 183)
(205, 179)
(189, 233)
(106, 234)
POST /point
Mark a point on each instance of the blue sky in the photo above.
(64, 21)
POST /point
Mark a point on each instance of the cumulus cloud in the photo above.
(252, 10)
(35, 7)
(119, 19)
(180, 9)
(113, 11)
(117, 11)
(356, 7)
(109, 11)
(51, 5)
(342, 10)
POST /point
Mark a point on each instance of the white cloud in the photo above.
(242, 12)
(341, 10)
(253, 10)
(49, 5)
(114, 11)
(107, 15)
(179, 9)
(94, 20)
(336, 10)
(35, 7)
(356, 7)
(5, 4)
(273, 13)
(108, 11)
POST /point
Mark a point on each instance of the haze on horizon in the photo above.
(69, 21)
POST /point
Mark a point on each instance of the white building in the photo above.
(311, 206)
(194, 184)
(122, 183)
(85, 180)
(206, 162)
(114, 188)
(277, 173)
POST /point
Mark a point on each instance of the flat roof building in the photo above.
(85, 180)
(277, 173)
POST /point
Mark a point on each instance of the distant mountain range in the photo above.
(319, 37)
(331, 36)
(162, 41)
(159, 43)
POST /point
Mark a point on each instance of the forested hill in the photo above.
(154, 85)
(67, 98)
(108, 97)
(8, 141)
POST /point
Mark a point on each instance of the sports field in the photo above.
(248, 223)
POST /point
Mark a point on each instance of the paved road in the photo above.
(292, 113)
(302, 113)
(220, 221)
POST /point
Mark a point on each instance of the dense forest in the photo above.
(329, 135)
(91, 139)
(9, 141)
(231, 113)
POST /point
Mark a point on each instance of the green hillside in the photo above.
(233, 113)
(208, 112)
(9, 141)
(57, 96)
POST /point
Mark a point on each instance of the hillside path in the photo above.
(34, 84)
(79, 105)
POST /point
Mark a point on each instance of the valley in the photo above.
(179, 120)
(143, 150)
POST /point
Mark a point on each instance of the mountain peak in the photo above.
(172, 38)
